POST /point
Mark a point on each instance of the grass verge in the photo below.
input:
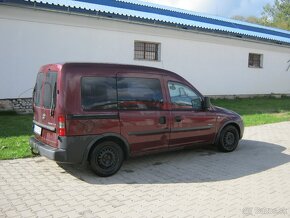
(258, 111)
(15, 130)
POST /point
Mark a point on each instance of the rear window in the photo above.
(49, 93)
(45, 90)
(99, 93)
(38, 89)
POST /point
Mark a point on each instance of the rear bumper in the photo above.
(70, 149)
(48, 151)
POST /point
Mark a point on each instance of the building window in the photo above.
(255, 60)
(147, 51)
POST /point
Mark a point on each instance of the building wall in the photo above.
(214, 65)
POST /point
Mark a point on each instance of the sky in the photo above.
(223, 8)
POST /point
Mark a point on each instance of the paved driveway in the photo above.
(252, 181)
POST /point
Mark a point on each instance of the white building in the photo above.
(218, 56)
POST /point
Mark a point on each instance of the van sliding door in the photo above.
(143, 121)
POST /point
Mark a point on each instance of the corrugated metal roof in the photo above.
(149, 12)
(198, 14)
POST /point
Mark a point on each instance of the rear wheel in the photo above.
(229, 139)
(106, 158)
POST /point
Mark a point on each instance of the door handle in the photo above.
(178, 119)
(162, 120)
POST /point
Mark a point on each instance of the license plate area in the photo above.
(37, 129)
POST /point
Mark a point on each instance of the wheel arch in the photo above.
(228, 123)
(108, 137)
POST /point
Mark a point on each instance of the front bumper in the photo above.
(242, 127)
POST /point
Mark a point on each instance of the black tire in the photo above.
(106, 158)
(229, 139)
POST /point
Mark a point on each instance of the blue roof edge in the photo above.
(148, 4)
(135, 10)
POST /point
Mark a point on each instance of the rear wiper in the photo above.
(52, 104)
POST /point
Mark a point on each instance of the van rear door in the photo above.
(45, 99)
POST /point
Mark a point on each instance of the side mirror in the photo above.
(206, 103)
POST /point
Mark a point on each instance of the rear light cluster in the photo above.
(61, 125)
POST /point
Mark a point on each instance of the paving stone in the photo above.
(252, 181)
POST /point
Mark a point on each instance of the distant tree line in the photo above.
(276, 15)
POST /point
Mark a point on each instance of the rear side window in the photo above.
(49, 94)
(139, 94)
(99, 93)
(38, 89)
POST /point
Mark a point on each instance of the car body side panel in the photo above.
(141, 131)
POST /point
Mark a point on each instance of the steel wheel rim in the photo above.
(107, 158)
(229, 140)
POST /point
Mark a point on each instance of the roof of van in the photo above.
(144, 69)
(117, 66)
(154, 14)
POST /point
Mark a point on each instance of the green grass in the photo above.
(15, 131)
(258, 111)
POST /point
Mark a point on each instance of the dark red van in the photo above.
(105, 113)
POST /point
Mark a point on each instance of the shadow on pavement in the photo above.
(188, 166)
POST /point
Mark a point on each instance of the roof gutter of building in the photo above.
(154, 23)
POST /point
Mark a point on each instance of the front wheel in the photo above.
(106, 158)
(229, 139)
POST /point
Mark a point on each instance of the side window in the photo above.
(183, 97)
(98, 93)
(139, 94)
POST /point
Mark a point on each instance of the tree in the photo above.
(239, 17)
(250, 19)
(253, 19)
(277, 15)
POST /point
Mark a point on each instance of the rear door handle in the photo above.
(178, 119)
(162, 120)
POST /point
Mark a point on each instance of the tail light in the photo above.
(61, 125)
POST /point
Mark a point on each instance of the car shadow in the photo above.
(191, 166)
